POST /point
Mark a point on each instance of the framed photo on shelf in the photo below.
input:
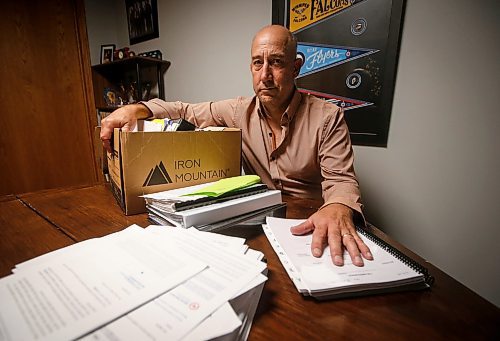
(111, 98)
(107, 52)
(142, 17)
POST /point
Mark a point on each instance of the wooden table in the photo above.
(34, 223)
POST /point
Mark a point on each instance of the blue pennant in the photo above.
(320, 57)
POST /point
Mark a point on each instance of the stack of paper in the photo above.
(215, 205)
(154, 283)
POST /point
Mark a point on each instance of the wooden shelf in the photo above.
(126, 64)
(138, 70)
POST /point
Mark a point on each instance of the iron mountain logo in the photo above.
(158, 175)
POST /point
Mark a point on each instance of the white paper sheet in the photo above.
(127, 232)
(62, 298)
(177, 312)
(222, 322)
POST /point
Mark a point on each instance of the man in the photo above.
(295, 142)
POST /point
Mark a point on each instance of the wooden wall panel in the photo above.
(46, 120)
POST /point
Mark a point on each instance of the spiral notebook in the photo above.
(389, 271)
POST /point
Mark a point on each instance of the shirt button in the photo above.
(270, 134)
(273, 158)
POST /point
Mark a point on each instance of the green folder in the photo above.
(226, 185)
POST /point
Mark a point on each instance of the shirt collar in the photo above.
(290, 111)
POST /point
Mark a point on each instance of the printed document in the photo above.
(176, 313)
(317, 276)
(67, 297)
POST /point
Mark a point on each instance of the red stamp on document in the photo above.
(194, 305)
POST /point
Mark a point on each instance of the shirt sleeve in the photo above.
(337, 164)
(205, 114)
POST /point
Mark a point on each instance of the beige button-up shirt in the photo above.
(314, 158)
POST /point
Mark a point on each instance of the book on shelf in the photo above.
(389, 271)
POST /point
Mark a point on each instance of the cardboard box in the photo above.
(149, 162)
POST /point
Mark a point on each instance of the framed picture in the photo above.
(107, 52)
(142, 17)
(111, 98)
(350, 52)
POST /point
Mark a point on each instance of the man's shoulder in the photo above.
(241, 100)
(244, 100)
(235, 109)
(243, 104)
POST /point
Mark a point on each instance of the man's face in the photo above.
(274, 69)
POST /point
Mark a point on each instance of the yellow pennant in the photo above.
(306, 12)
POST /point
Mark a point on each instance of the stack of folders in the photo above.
(213, 206)
(389, 271)
(157, 283)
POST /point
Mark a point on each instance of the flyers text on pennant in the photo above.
(343, 102)
(319, 57)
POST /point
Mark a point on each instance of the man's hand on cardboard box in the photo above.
(125, 118)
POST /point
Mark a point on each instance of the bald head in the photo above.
(279, 36)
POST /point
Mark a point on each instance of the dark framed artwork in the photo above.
(350, 51)
(142, 17)
(107, 52)
(111, 97)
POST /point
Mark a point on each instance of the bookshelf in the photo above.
(127, 81)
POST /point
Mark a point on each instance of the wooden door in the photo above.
(46, 120)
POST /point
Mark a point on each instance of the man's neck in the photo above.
(274, 112)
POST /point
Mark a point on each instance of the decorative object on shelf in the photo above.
(123, 53)
(127, 92)
(146, 91)
(142, 17)
(107, 52)
(154, 54)
(132, 92)
(123, 93)
(111, 98)
(128, 80)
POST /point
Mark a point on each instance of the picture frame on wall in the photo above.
(107, 52)
(142, 18)
(350, 53)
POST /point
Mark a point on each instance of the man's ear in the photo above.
(297, 64)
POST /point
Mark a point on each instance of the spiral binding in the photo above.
(398, 254)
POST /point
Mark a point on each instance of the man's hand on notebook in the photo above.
(333, 226)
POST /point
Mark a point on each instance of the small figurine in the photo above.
(132, 96)
(123, 94)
